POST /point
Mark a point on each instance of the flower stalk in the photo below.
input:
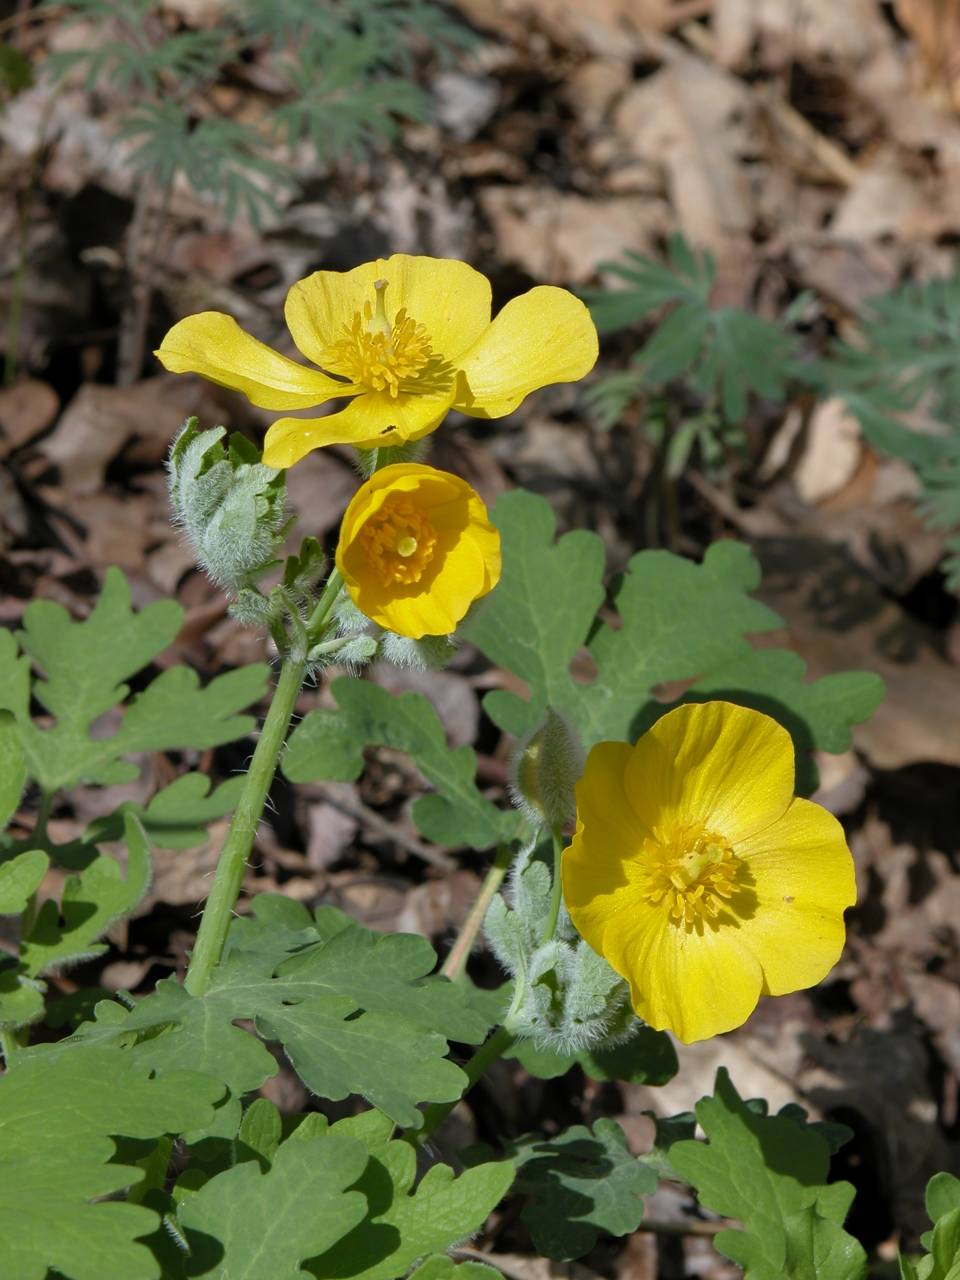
(219, 908)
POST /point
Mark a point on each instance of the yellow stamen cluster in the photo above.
(376, 354)
(399, 542)
(692, 873)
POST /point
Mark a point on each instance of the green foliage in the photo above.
(770, 1172)
(89, 904)
(943, 1242)
(566, 998)
(84, 666)
(329, 744)
(342, 71)
(64, 933)
(229, 505)
(333, 994)
(19, 878)
(13, 767)
(177, 816)
(254, 1225)
(58, 1118)
(403, 1224)
(220, 158)
(648, 1057)
(906, 359)
(722, 354)
(679, 622)
(579, 1184)
(16, 73)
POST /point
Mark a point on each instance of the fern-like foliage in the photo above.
(339, 110)
(390, 29)
(723, 355)
(221, 158)
(343, 71)
(906, 361)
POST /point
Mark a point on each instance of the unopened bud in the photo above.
(229, 505)
(545, 771)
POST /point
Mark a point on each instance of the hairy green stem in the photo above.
(455, 964)
(219, 907)
(492, 1049)
(218, 911)
(328, 598)
(556, 897)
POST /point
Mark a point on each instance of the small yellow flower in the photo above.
(416, 549)
(699, 876)
(407, 338)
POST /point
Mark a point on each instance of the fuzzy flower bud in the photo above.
(545, 770)
(567, 997)
(229, 505)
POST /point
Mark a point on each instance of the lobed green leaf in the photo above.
(329, 744)
(58, 1117)
(580, 1184)
(678, 622)
(770, 1172)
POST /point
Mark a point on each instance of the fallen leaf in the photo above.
(831, 452)
(556, 236)
(100, 420)
(695, 121)
(26, 408)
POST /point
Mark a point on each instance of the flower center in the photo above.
(377, 354)
(399, 542)
(692, 872)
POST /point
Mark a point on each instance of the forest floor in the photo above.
(810, 146)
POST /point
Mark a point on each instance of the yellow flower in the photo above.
(408, 338)
(699, 876)
(416, 549)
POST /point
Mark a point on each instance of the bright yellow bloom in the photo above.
(699, 876)
(416, 549)
(408, 338)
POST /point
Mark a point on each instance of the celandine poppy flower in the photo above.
(697, 873)
(408, 338)
(416, 549)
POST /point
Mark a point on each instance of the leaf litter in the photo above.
(811, 147)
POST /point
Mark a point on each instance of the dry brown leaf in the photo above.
(792, 30)
(839, 620)
(886, 201)
(559, 237)
(100, 420)
(935, 25)
(695, 121)
(331, 831)
(26, 408)
(593, 86)
(318, 490)
(118, 528)
(831, 452)
(608, 28)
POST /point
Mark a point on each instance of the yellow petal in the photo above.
(449, 298)
(542, 337)
(466, 559)
(214, 345)
(728, 768)
(804, 879)
(596, 884)
(694, 984)
(371, 419)
(435, 609)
